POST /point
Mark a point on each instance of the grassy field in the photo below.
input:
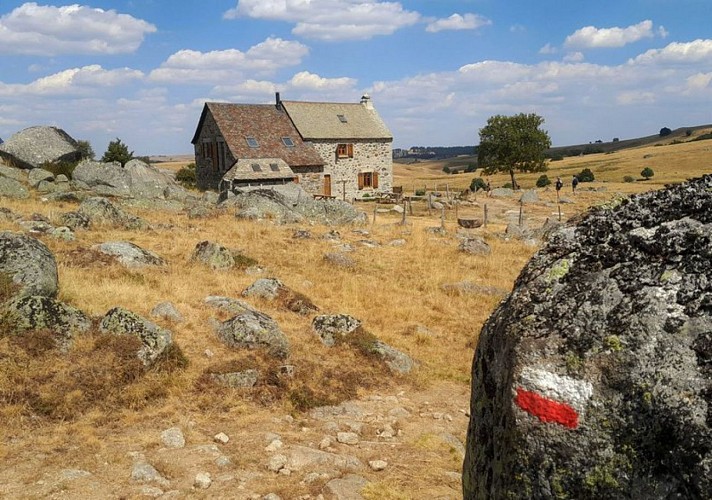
(82, 408)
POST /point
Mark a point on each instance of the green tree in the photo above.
(647, 173)
(86, 152)
(509, 143)
(117, 151)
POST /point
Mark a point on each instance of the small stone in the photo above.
(285, 472)
(202, 481)
(208, 353)
(378, 464)
(350, 438)
(173, 438)
(151, 491)
(223, 461)
(271, 496)
(221, 438)
(274, 446)
(325, 443)
(277, 463)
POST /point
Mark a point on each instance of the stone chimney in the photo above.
(277, 100)
(366, 101)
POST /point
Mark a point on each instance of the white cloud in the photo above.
(330, 19)
(75, 81)
(699, 81)
(44, 30)
(548, 49)
(592, 37)
(458, 22)
(694, 52)
(192, 66)
(310, 81)
(634, 97)
(574, 57)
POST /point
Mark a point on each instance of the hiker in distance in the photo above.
(559, 184)
(574, 183)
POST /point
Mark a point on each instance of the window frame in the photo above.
(289, 139)
(344, 150)
(250, 140)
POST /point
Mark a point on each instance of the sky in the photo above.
(436, 70)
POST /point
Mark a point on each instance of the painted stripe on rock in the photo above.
(547, 410)
(573, 392)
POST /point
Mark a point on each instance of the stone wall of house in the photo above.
(207, 173)
(369, 156)
(311, 179)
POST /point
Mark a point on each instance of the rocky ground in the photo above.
(331, 452)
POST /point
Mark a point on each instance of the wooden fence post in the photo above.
(521, 213)
(485, 221)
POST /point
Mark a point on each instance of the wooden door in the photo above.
(327, 184)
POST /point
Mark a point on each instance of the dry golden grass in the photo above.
(52, 401)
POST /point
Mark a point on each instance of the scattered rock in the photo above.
(348, 487)
(33, 146)
(221, 438)
(173, 438)
(396, 360)
(38, 175)
(304, 458)
(146, 473)
(378, 465)
(347, 438)
(236, 380)
(62, 233)
(334, 326)
(265, 288)
(530, 196)
(13, 173)
(474, 246)
(75, 220)
(167, 310)
(38, 313)
(232, 306)
(502, 193)
(102, 211)
(219, 257)
(202, 481)
(155, 340)
(29, 264)
(254, 331)
(10, 188)
(340, 260)
(129, 254)
(302, 234)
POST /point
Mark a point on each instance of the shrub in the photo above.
(478, 183)
(446, 169)
(86, 152)
(420, 192)
(507, 185)
(62, 167)
(703, 137)
(616, 139)
(186, 175)
(647, 173)
(117, 151)
(628, 178)
(665, 131)
(585, 175)
(471, 167)
(688, 132)
(543, 181)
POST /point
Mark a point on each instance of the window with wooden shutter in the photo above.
(375, 179)
(350, 150)
(344, 150)
(360, 181)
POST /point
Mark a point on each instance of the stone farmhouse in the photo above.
(340, 150)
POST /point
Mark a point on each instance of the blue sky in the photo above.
(436, 70)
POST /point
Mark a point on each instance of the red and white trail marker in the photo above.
(553, 398)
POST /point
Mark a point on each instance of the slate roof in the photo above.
(265, 123)
(320, 120)
(259, 169)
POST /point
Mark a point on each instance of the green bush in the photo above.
(543, 181)
(647, 173)
(508, 185)
(62, 167)
(471, 167)
(703, 137)
(117, 151)
(665, 132)
(628, 178)
(186, 175)
(478, 183)
(585, 175)
(420, 192)
(446, 169)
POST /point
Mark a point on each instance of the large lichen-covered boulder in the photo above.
(45, 313)
(155, 340)
(129, 254)
(101, 211)
(33, 146)
(254, 330)
(106, 179)
(11, 188)
(28, 264)
(333, 327)
(147, 181)
(594, 378)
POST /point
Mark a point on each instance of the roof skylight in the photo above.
(256, 167)
(252, 142)
(342, 118)
(287, 141)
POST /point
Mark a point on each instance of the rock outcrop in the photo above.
(129, 254)
(33, 146)
(154, 339)
(593, 379)
(29, 264)
(254, 330)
